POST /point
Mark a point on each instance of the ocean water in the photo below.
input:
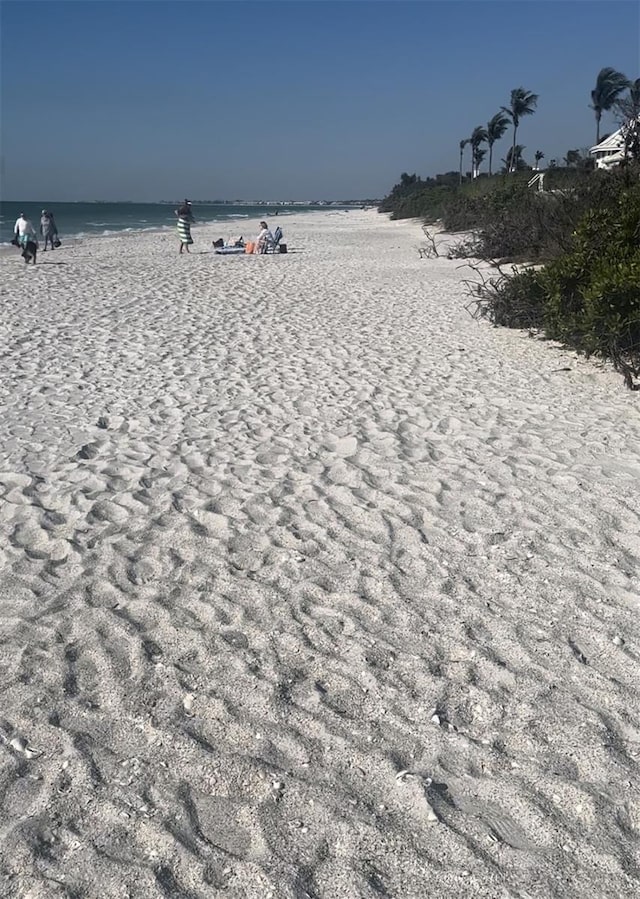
(75, 220)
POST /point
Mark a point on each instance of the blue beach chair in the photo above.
(273, 246)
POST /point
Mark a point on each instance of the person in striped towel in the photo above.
(185, 220)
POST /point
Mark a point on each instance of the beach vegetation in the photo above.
(478, 137)
(627, 109)
(522, 103)
(564, 260)
(609, 85)
(496, 128)
(588, 296)
(463, 143)
(420, 198)
(579, 159)
(514, 160)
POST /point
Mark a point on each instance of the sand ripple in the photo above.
(310, 585)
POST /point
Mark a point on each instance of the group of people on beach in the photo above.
(24, 235)
(186, 218)
(26, 238)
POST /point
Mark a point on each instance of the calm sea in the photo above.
(96, 219)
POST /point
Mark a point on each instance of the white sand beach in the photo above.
(311, 586)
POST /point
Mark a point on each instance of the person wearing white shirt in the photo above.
(24, 230)
(263, 238)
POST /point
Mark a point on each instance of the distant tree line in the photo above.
(606, 95)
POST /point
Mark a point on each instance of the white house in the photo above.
(610, 151)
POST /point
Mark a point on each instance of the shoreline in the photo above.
(284, 213)
(80, 238)
(309, 580)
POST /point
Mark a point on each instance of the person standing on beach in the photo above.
(185, 220)
(48, 229)
(23, 230)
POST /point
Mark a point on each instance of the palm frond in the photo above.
(496, 127)
(609, 85)
(478, 136)
(523, 102)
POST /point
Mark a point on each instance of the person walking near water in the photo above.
(24, 235)
(185, 220)
(48, 229)
(23, 230)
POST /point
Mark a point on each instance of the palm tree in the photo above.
(522, 103)
(478, 136)
(478, 156)
(496, 128)
(463, 144)
(514, 161)
(628, 107)
(572, 158)
(609, 86)
(538, 155)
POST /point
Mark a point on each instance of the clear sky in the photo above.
(308, 99)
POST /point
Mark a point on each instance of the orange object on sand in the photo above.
(250, 246)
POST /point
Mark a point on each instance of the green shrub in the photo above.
(512, 301)
(611, 317)
(588, 297)
(412, 197)
(509, 220)
(585, 229)
(427, 203)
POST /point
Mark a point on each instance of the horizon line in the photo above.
(209, 202)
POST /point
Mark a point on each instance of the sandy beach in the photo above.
(311, 586)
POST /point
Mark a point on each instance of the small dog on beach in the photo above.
(30, 252)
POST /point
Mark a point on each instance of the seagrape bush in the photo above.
(514, 222)
(413, 197)
(508, 219)
(429, 204)
(593, 292)
(589, 296)
(583, 235)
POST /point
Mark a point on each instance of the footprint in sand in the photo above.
(236, 639)
(32, 538)
(342, 446)
(104, 510)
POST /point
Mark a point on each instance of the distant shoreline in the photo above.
(202, 232)
(81, 220)
(323, 204)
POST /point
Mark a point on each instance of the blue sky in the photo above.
(309, 99)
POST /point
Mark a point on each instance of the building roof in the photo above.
(612, 144)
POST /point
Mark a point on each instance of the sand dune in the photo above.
(310, 585)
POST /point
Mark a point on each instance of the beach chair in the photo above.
(273, 246)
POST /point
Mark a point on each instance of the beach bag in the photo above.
(283, 248)
(57, 243)
(250, 246)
